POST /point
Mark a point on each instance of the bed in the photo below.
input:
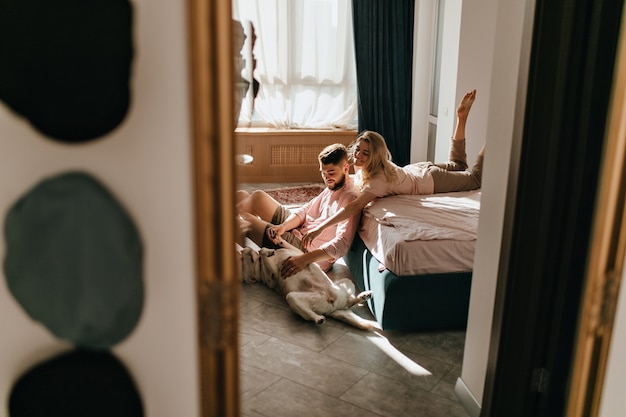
(415, 253)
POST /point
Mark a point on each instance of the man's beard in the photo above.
(338, 184)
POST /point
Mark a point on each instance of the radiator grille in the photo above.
(249, 150)
(281, 155)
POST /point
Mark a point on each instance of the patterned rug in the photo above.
(297, 194)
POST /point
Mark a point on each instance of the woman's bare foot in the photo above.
(466, 104)
(461, 115)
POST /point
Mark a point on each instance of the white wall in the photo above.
(504, 71)
(477, 49)
(146, 164)
(448, 98)
(422, 73)
(491, 56)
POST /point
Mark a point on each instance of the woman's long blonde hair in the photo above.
(379, 160)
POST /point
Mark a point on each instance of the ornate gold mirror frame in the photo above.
(211, 66)
(606, 258)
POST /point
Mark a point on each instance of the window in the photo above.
(435, 80)
(300, 55)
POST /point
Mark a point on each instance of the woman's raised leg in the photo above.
(462, 112)
(457, 157)
(453, 175)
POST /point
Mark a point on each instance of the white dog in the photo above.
(310, 293)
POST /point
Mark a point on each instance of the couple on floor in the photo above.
(324, 227)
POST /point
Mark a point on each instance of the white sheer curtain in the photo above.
(304, 63)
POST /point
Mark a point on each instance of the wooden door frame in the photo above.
(606, 259)
(217, 275)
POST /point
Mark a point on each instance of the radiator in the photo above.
(284, 156)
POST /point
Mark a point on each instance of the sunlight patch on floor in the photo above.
(382, 343)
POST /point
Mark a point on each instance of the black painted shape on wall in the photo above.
(76, 384)
(65, 65)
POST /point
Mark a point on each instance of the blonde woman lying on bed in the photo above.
(377, 176)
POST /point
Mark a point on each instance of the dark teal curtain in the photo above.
(383, 43)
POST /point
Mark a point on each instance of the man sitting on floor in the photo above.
(265, 221)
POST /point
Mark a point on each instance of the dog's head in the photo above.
(262, 266)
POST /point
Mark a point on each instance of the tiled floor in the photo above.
(291, 367)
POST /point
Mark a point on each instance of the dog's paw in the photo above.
(266, 252)
(248, 252)
(321, 320)
(248, 256)
(248, 259)
(364, 296)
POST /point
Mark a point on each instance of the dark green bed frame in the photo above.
(414, 302)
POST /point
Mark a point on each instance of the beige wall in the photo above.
(145, 162)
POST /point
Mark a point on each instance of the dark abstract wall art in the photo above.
(76, 383)
(66, 65)
(74, 260)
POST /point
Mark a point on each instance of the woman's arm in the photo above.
(342, 214)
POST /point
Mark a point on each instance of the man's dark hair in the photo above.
(333, 154)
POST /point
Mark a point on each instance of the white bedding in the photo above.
(423, 234)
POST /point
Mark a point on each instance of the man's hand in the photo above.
(293, 265)
(275, 232)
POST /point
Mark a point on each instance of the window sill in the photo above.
(278, 131)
